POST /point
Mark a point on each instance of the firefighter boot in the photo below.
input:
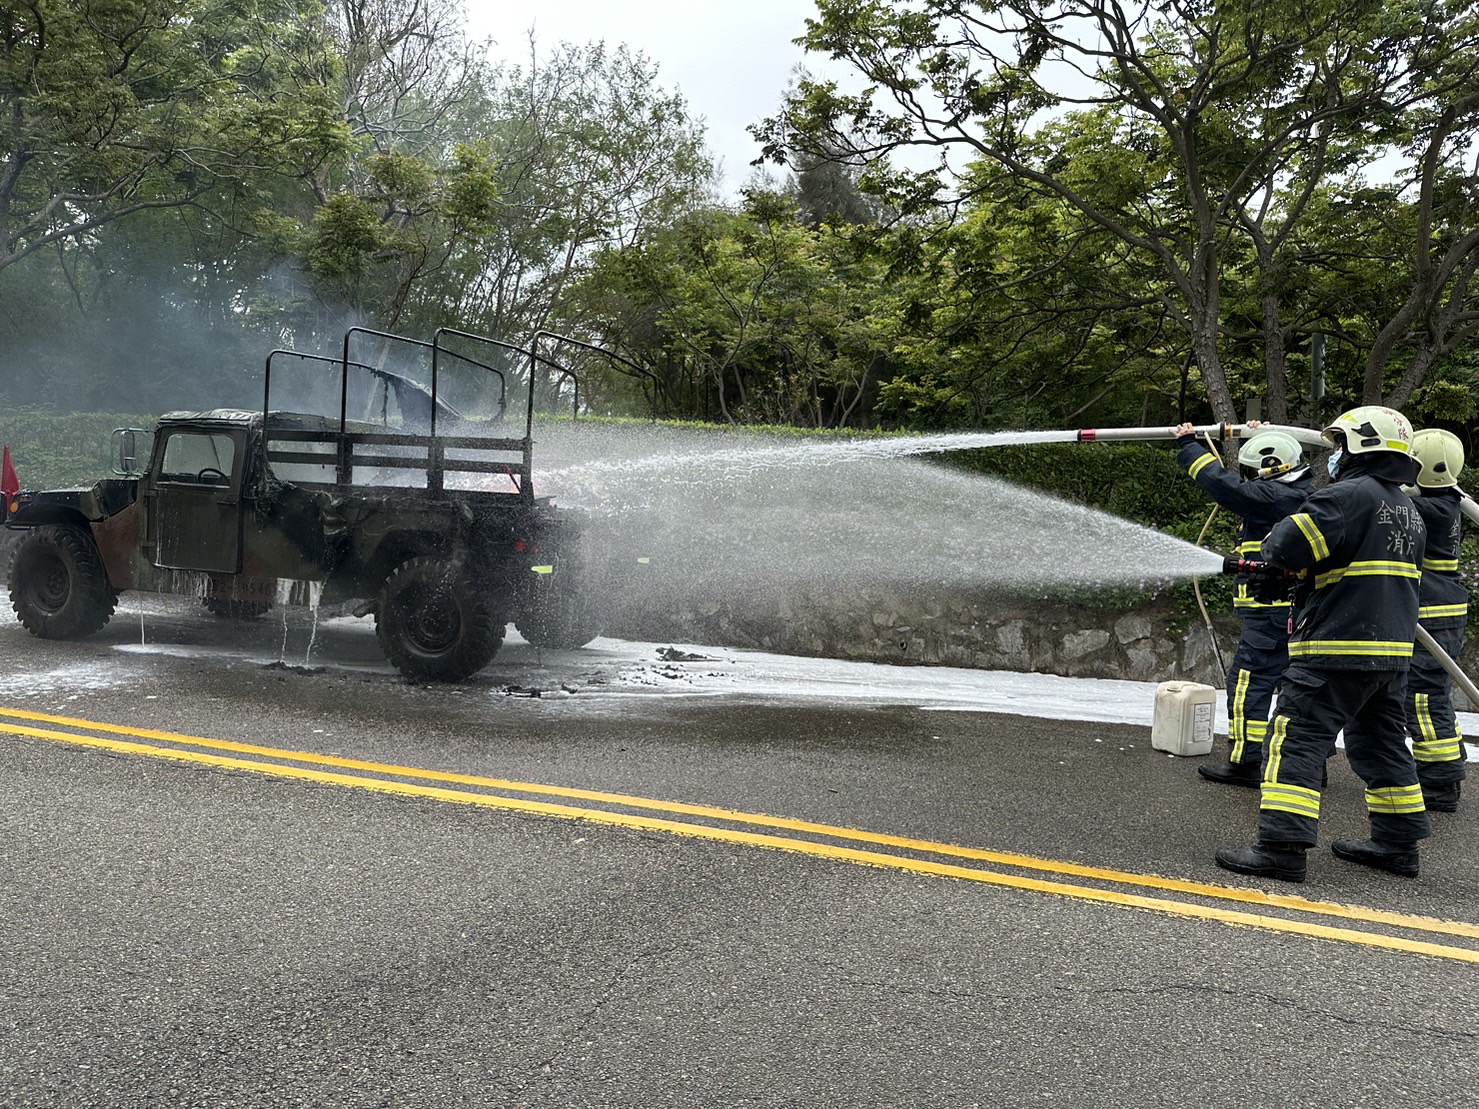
(1284, 861)
(1442, 798)
(1246, 773)
(1395, 858)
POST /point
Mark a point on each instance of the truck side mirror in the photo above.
(126, 451)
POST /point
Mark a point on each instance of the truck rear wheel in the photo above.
(563, 610)
(58, 586)
(434, 622)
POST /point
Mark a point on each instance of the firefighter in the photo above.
(1272, 482)
(1437, 744)
(1359, 543)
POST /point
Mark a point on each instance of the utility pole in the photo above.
(1317, 376)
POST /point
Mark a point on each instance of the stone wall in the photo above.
(1153, 643)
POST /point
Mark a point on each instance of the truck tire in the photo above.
(58, 586)
(563, 610)
(434, 622)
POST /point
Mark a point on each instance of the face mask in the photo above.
(1333, 462)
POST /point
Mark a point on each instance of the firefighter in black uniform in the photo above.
(1360, 543)
(1272, 482)
(1437, 743)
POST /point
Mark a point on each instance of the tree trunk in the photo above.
(1204, 303)
(1275, 363)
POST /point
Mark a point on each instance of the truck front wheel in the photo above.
(434, 622)
(58, 586)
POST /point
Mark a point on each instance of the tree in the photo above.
(406, 64)
(112, 108)
(1014, 314)
(1173, 129)
(826, 189)
(486, 219)
(749, 316)
(1440, 312)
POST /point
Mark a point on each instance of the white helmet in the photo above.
(1371, 427)
(1269, 454)
(1439, 456)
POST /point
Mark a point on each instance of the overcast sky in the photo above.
(731, 61)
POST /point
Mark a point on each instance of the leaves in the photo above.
(1195, 135)
(110, 107)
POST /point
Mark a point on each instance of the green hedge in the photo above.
(53, 451)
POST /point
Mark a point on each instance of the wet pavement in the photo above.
(238, 870)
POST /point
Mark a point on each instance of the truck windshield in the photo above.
(199, 458)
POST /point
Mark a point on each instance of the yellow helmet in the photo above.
(1371, 427)
(1439, 456)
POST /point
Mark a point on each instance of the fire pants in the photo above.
(1315, 704)
(1257, 665)
(1436, 741)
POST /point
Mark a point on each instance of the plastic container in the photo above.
(1184, 714)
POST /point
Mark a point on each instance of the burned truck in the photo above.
(399, 503)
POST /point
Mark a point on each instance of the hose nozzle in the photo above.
(1233, 564)
(1268, 584)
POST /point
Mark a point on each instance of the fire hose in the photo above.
(1220, 432)
(1196, 585)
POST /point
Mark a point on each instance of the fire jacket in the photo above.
(1444, 599)
(1259, 505)
(1362, 542)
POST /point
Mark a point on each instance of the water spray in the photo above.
(706, 495)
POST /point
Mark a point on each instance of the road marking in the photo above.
(1003, 858)
(808, 847)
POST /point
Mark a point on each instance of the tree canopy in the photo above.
(1199, 137)
(113, 108)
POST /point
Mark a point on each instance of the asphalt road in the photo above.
(229, 882)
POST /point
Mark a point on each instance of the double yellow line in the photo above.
(733, 827)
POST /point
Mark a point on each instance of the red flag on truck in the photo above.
(10, 485)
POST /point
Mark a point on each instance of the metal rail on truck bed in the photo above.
(318, 452)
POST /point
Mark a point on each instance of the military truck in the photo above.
(417, 513)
